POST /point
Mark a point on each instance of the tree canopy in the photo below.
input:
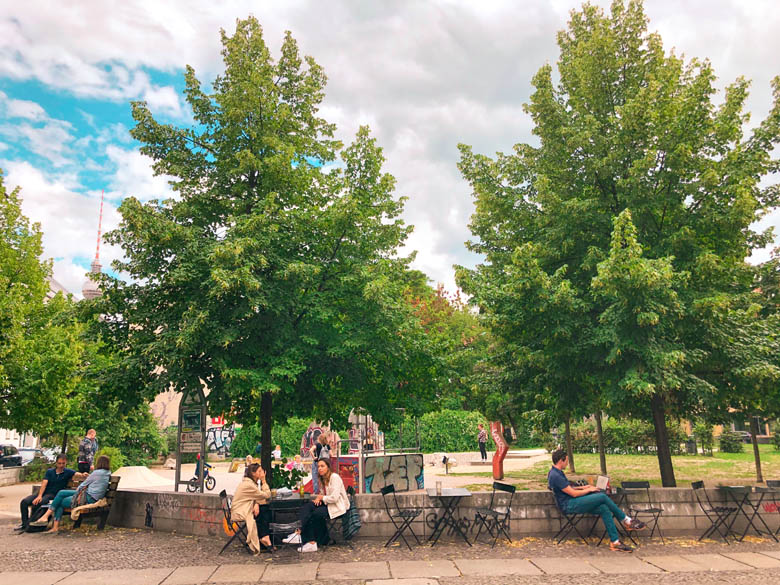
(626, 126)
(273, 275)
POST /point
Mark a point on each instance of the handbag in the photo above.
(350, 524)
(78, 499)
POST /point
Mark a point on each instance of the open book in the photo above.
(602, 481)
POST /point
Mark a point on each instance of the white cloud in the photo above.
(424, 75)
(69, 220)
(134, 176)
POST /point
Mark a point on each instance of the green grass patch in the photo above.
(722, 468)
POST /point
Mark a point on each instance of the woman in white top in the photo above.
(331, 502)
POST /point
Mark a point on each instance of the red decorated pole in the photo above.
(497, 432)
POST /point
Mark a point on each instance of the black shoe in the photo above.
(635, 525)
(20, 528)
(620, 547)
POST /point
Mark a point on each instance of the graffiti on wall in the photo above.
(404, 471)
(219, 439)
(312, 435)
(348, 470)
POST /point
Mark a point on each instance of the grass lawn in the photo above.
(722, 468)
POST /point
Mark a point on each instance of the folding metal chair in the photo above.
(775, 485)
(402, 519)
(495, 518)
(652, 513)
(279, 531)
(238, 527)
(717, 515)
(569, 524)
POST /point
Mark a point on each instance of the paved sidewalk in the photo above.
(753, 565)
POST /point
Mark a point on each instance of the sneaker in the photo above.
(308, 547)
(20, 528)
(620, 547)
(294, 538)
(635, 525)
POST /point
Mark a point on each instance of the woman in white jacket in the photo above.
(331, 502)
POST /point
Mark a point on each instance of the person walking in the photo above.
(87, 449)
(482, 440)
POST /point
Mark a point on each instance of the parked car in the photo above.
(9, 456)
(745, 436)
(30, 453)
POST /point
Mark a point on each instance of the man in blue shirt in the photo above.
(57, 478)
(588, 499)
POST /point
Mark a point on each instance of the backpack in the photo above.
(325, 452)
(350, 524)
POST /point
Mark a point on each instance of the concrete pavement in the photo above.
(423, 572)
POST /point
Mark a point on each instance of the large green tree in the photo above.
(273, 275)
(626, 126)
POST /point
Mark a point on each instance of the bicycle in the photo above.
(209, 480)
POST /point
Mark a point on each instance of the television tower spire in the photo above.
(100, 229)
(90, 290)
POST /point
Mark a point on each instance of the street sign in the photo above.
(192, 432)
(192, 437)
(189, 448)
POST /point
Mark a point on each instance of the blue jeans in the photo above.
(602, 505)
(64, 499)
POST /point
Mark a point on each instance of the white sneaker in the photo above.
(294, 538)
(308, 547)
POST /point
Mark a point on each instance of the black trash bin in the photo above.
(690, 446)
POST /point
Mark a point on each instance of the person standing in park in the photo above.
(588, 499)
(319, 450)
(482, 440)
(56, 479)
(87, 449)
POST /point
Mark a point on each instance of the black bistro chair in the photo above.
(238, 527)
(401, 518)
(495, 518)
(570, 522)
(775, 485)
(717, 515)
(648, 514)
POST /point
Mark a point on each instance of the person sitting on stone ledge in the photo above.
(588, 499)
(90, 491)
(56, 479)
(314, 515)
(250, 504)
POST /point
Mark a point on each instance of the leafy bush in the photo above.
(449, 431)
(621, 436)
(35, 469)
(281, 477)
(114, 454)
(703, 433)
(171, 436)
(288, 436)
(776, 439)
(731, 443)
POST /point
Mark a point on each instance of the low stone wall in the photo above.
(533, 512)
(9, 475)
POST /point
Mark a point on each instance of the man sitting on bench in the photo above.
(56, 479)
(588, 499)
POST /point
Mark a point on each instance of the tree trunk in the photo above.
(662, 441)
(756, 454)
(569, 450)
(602, 451)
(64, 442)
(266, 405)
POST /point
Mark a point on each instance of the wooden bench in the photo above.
(103, 511)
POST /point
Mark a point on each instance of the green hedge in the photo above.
(287, 435)
(621, 436)
(448, 431)
(731, 443)
(776, 439)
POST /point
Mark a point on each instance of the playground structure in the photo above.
(368, 466)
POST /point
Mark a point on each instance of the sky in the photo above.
(424, 75)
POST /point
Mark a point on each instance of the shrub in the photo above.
(703, 433)
(776, 439)
(114, 454)
(281, 477)
(288, 436)
(171, 436)
(621, 436)
(35, 470)
(731, 443)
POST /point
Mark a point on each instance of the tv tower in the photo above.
(91, 290)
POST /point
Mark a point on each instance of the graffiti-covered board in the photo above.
(404, 471)
(348, 471)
